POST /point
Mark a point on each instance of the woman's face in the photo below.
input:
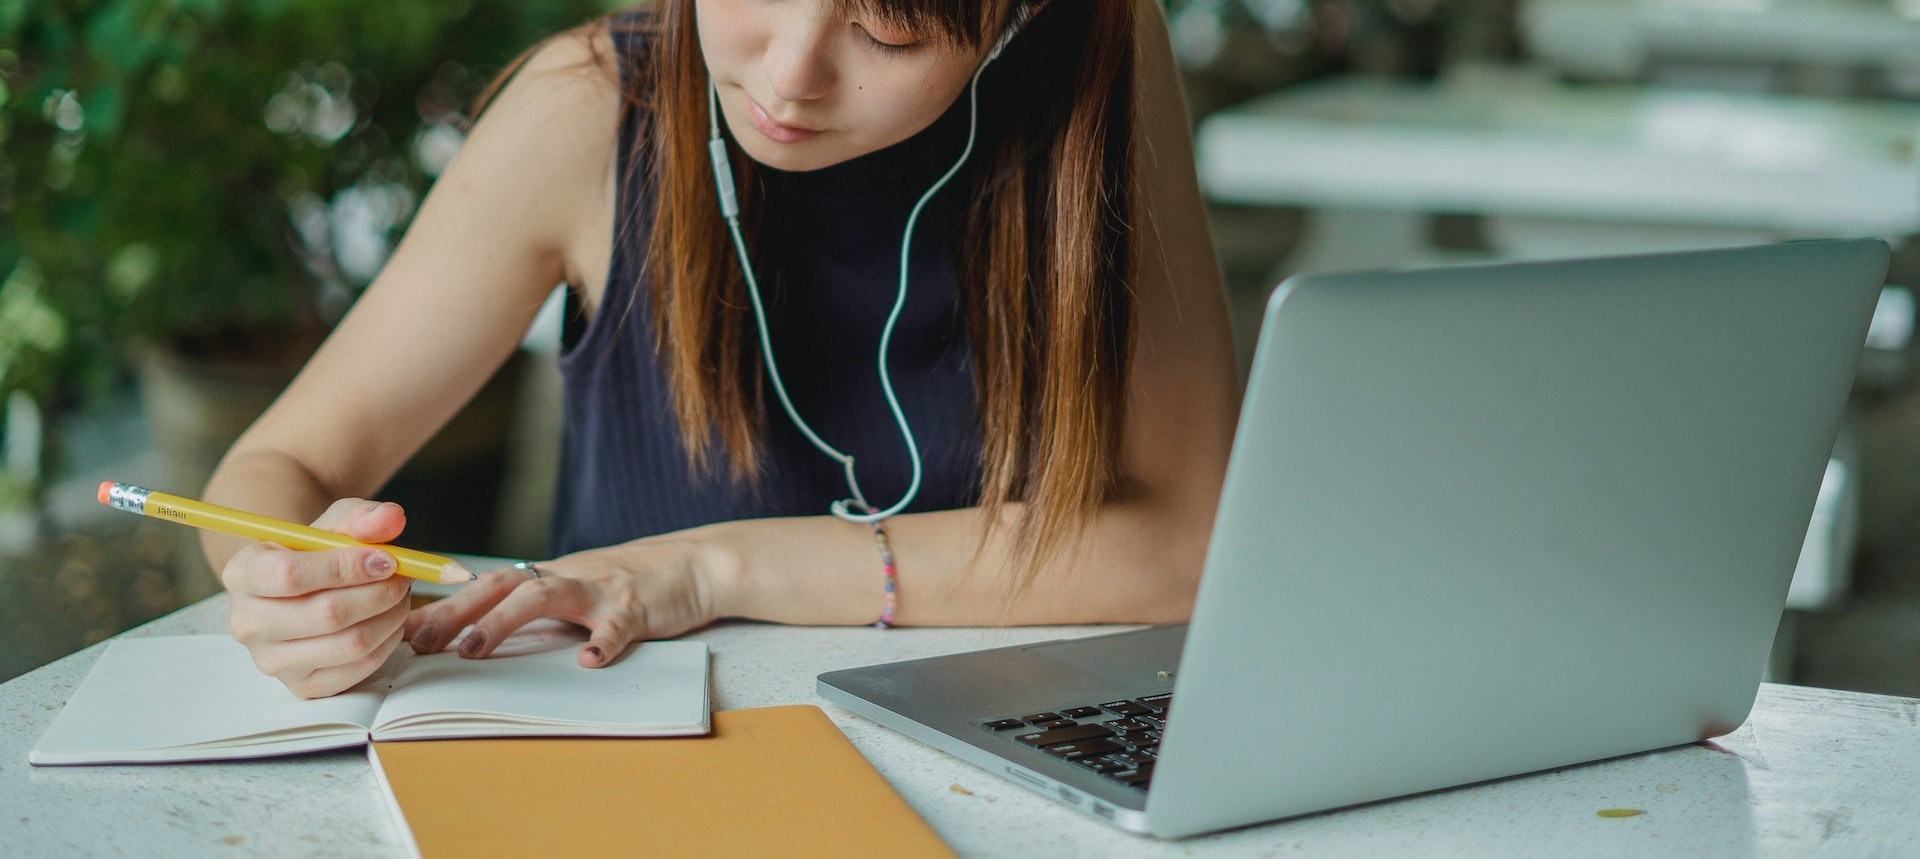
(803, 86)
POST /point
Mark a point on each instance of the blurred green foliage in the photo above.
(219, 171)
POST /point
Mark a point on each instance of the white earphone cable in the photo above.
(730, 209)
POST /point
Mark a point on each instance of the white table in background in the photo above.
(1623, 38)
(1812, 772)
(1656, 166)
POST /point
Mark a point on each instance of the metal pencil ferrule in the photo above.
(132, 499)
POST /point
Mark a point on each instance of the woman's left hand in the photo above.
(646, 589)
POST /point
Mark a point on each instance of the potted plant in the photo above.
(200, 188)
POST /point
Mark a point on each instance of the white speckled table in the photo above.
(1813, 772)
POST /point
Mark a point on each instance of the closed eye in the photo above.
(885, 46)
(891, 47)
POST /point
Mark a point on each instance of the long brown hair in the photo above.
(1047, 254)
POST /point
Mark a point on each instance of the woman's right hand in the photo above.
(322, 621)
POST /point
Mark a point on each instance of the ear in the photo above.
(1018, 14)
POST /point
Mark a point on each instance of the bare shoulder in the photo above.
(1179, 250)
(564, 100)
(577, 64)
(545, 146)
(1165, 130)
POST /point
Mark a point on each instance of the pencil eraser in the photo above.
(106, 490)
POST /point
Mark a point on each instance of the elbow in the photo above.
(1172, 579)
(1181, 584)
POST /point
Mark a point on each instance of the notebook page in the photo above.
(659, 687)
(175, 697)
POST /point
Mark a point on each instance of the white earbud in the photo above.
(730, 209)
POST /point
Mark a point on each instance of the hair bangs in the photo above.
(960, 22)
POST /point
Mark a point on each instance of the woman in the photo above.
(1061, 358)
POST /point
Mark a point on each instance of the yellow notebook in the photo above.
(774, 781)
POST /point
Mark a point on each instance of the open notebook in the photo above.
(199, 697)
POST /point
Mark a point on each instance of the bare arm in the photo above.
(489, 242)
(496, 233)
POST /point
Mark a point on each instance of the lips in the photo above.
(775, 131)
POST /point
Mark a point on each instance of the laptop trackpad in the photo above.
(1140, 657)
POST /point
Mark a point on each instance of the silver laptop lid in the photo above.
(1482, 521)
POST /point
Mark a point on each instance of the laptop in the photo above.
(1478, 521)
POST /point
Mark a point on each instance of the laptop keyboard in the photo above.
(1117, 739)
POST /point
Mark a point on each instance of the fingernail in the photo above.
(426, 639)
(475, 640)
(380, 565)
(596, 654)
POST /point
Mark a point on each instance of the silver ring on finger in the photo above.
(527, 567)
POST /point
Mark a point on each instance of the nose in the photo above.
(798, 62)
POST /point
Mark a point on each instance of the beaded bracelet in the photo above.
(886, 562)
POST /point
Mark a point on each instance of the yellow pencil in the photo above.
(186, 511)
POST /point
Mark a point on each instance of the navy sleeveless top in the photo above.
(828, 264)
